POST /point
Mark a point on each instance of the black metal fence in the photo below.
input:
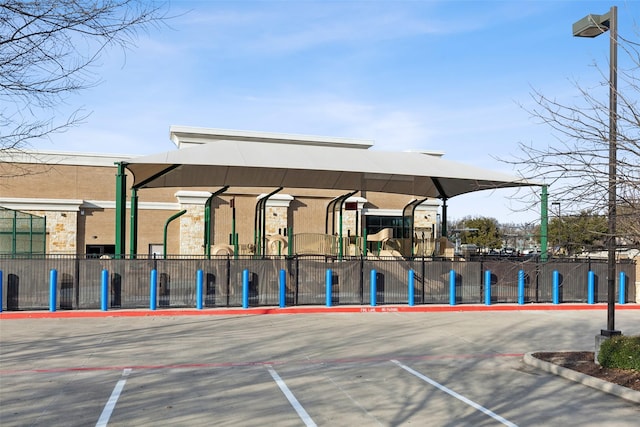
(26, 281)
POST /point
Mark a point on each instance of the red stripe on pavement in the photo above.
(69, 314)
(380, 359)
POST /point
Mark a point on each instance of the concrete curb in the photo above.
(588, 380)
(236, 311)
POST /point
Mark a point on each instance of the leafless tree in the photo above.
(49, 50)
(576, 164)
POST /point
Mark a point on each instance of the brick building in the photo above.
(77, 194)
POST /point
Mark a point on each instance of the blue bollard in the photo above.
(104, 290)
(153, 290)
(591, 287)
(521, 287)
(53, 287)
(374, 288)
(452, 287)
(487, 287)
(283, 287)
(1, 291)
(199, 281)
(245, 288)
(622, 297)
(412, 298)
(328, 285)
(556, 287)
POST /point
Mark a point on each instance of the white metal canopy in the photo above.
(236, 163)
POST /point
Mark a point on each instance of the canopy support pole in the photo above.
(259, 223)
(340, 244)
(166, 226)
(331, 207)
(133, 232)
(442, 195)
(413, 205)
(121, 207)
(207, 221)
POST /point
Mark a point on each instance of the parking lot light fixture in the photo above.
(593, 26)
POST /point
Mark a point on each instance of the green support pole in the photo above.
(544, 221)
(364, 241)
(166, 226)
(259, 223)
(207, 228)
(30, 237)
(234, 238)
(14, 235)
(121, 207)
(340, 244)
(44, 236)
(207, 221)
(133, 236)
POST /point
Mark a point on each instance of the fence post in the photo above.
(452, 287)
(591, 287)
(328, 285)
(53, 287)
(411, 289)
(104, 290)
(153, 290)
(245, 288)
(283, 287)
(374, 287)
(622, 297)
(1, 291)
(487, 287)
(556, 287)
(199, 280)
(521, 287)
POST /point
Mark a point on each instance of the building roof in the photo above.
(300, 163)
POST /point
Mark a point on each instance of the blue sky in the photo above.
(449, 76)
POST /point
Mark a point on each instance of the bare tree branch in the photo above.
(48, 49)
(575, 165)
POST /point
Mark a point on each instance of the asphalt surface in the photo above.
(442, 368)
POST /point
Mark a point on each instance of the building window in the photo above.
(96, 251)
(375, 223)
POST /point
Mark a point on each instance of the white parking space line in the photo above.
(456, 395)
(292, 399)
(113, 399)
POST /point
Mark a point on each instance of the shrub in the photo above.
(620, 352)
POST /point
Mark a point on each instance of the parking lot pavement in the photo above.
(393, 368)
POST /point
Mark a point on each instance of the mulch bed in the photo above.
(583, 361)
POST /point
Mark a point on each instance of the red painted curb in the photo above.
(69, 314)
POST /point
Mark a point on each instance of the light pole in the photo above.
(593, 26)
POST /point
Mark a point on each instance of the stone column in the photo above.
(352, 218)
(62, 222)
(277, 214)
(192, 222)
